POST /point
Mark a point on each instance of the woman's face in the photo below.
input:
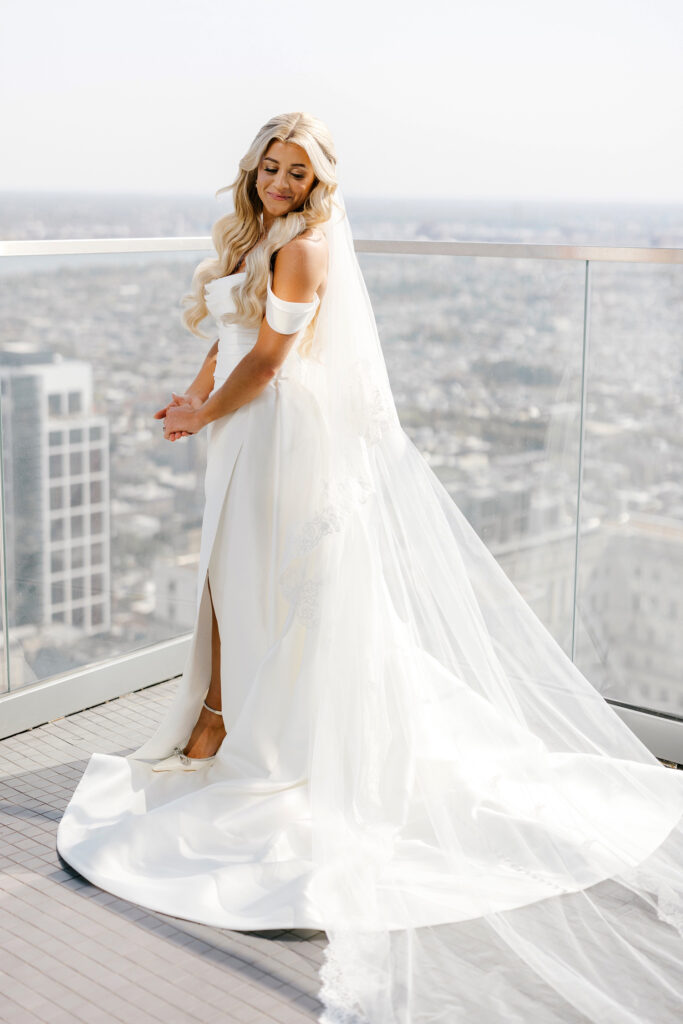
(285, 177)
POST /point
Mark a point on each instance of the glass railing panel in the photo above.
(4, 652)
(629, 622)
(484, 357)
(102, 515)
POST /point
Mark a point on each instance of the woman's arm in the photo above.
(248, 379)
(196, 394)
(298, 273)
(202, 385)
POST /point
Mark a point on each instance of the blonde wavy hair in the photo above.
(238, 233)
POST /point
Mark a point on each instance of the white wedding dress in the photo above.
(412, 763)
(228, 844)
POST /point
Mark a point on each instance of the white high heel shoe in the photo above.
(180, 761)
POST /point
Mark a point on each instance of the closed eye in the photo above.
(271, 170)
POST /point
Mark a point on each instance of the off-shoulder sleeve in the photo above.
(286, 317)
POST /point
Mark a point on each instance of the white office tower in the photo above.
(56, 494)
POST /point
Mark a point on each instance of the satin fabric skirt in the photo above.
(229, 844)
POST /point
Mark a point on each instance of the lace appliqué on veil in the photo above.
(372, 411)
(303, 594)
(337, 503)
(668, 902)
(381, 414)
(301, 591)
(340, 1002)
(304, 591)
(371, 408)
(328, 520)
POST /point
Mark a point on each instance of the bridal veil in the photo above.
(490, 840)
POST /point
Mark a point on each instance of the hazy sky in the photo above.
(486, 98)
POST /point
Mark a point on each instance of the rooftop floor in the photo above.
(71, 952)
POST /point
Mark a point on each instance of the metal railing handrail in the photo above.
(506, 250)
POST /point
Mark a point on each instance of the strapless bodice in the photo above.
(235, 340)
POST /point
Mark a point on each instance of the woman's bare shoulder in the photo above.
(311, 244)
(314, 234)
(304, 258)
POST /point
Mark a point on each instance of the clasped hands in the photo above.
(181, 416)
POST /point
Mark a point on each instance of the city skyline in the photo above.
(485, 362)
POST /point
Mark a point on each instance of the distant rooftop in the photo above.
(25, 355)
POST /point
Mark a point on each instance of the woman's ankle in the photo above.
(205, 741)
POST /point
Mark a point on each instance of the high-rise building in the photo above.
(56, 492)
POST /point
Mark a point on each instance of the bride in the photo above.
(374, 734)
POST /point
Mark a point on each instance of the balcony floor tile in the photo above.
(71, 952)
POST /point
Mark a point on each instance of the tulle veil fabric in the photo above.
(490, 840)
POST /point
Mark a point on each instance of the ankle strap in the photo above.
(219, 712)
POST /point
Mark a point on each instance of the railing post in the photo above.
(3, 559)
(582, 432)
